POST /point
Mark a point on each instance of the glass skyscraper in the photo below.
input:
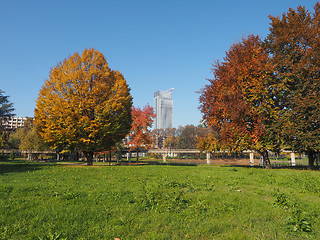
(163, 106)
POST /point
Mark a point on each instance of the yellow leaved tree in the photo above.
(84, 105)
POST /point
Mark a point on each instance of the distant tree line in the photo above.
(183, 137)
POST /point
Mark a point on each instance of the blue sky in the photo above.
(156, 45)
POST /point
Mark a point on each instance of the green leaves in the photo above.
(298, 221)
(294, 46)
(6, 107)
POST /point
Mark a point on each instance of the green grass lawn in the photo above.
(48, 201)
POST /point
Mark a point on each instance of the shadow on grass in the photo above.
(190, 164)
(171, 163)
(316, 168)
(7, 166)
(20, 166)
(144, 162)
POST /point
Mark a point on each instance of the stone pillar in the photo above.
(293, 159)
(251, 159)
(208, 158)
(164, 157)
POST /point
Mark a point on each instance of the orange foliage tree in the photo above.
(139, 136)
(238, 103)
(84, 105)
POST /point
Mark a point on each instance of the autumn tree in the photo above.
(164, 137)
(188, 136)
(294, 45)
(27, 138)
(171, 140)
(84, 105)
(238, 104)
(139, 136)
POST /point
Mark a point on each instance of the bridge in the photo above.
(164, 152)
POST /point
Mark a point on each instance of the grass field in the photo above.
(49, 201)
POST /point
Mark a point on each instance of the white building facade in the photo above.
(163, 106)
(13, 122)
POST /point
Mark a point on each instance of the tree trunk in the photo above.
(129, 153)
(137, 154)
(265, 159)
(74, 156)
(29, 156)
(89, 157)
(311, 158)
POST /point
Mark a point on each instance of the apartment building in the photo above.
(13, 122)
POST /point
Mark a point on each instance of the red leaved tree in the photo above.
(238, 103)
(139, 135)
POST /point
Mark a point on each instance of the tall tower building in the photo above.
(163, 106)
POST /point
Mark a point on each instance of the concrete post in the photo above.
(164, 157)
(129, 157)
(251, 159)
(293, 159)
(208, 158)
